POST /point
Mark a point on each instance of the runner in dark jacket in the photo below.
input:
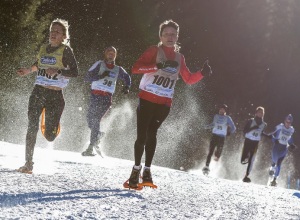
(253, 131)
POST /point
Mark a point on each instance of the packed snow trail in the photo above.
(65, 185)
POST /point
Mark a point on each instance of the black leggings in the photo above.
(53, 102)
(216, 141)
(150, 116)
(249, 153)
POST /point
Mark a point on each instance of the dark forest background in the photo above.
(253, 47)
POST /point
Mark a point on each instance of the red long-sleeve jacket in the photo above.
(147, 64)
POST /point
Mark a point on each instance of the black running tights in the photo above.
(53, 102)
(150, 116)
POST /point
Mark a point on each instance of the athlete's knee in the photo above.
(218, 152)
(141, 138)
(152, 133)
(279, 162)
(140, 143)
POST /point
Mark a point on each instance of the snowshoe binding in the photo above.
(27, 168)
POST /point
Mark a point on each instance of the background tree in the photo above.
(22, 32)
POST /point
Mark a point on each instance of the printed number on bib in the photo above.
(107, 82)
(164, 81)
(255, 134)
(219, 127)
(42, 72)
(283, 138)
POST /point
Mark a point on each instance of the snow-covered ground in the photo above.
(66, 185)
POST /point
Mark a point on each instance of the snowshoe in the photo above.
(98, 150)
(147, 184)
(247, 179)
(134, 181)
(206, 170)
(88, 152)
(126, 185)
(273, 183)
(27, 168)
(43, 124)
(147, 179)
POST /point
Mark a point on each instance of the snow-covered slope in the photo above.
(66, 185)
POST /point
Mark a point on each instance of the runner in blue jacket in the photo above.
(282, 141)
(103, 76)
(222, 126)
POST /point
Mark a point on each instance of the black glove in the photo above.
(206, 69)
(168, 63)
(104, 74)
(125, 90)
(276, 141)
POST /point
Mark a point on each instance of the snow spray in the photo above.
(289, 180)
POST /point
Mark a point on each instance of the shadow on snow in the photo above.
(9, 200)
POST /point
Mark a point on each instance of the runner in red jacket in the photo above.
(161, 66)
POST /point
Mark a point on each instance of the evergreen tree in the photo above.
(24, 29)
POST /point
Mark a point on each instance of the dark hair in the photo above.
(223, 106)
(169, 23)
(107, 49)
(110, 48)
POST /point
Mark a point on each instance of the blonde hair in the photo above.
(260, 108)
(65, 26)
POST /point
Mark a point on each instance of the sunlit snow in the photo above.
(66, 185)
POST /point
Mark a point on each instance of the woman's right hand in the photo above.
(23, 71)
